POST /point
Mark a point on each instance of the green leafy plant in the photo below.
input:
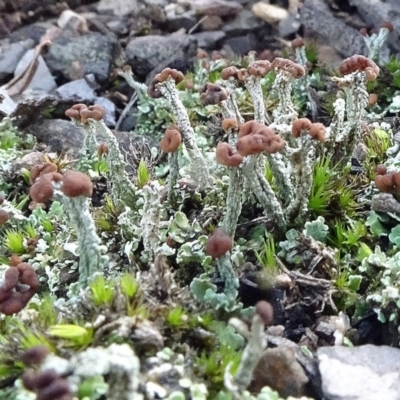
(102, 292)
(143, 175)
(14, 241)
(75, 335)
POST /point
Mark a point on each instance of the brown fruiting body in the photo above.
(218, 244)
(381, 169)
(298, 42)
(255, 138)
(359, 63)
(212, 93)
(41, 169)
(229, 123)
(35, 355)
(171, 140)
(317, 131)
(228, 72)
(42, 190)
(259, 68)
(299, 125)
(265, 311)
(76, 184)
(4, 217)
(284, 64)
(102, 149)
(225, 155)
(388, 183)
(11, 299)
(388, 25)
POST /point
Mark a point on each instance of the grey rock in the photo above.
(289, 26)
(185, 20)
(243, 23)
(33, 32)
(109, 108)
(118, 7)
(243, 44)
(209, 40)
(221, 8)
(42, 81)
(78, 91)
(148, 52)
(11, 53)
(360, 373)
(92, 53)
(118, 26)
(7, 104)
(279, 369)
(319, 22)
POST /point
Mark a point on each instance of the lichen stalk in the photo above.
(285, 112)
(173, 161)
(264, 194)
(303, 165)
(123, 189)
(256, 344)
(231, 86)
(88, 152)
(150, 222)
(233, 201)
(228, 276)
(92, 254)
(199, 164)
(253, 85)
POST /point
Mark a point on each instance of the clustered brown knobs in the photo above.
(359, 63)
(72, 183)
(20, 285)
(289, 66)
(82, 112)
(171, 140)
(387, 182)
(47, 385)
(315, 130)
(212, 93)
(258, 68)
(255, 138)
(153, 90)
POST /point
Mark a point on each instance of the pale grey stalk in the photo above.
(285, 112)
(150, 222)
(92, 254)
(233, 201)
(256, 344)
(199, 164)
(228, 276)
(375, 43)
(123, 190)
(88, 152)
(173, 161)
(230, 84)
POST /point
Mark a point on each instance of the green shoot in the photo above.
(102, 291)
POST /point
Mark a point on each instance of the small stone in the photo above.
(243, 44)
(42, 81)
(243, 23)
(209, 40)
(288, 26)
(78, 91)
(212, 23)
(221, 8)
(148, 52)
(118, 7)
(359, 373)
(279, 369)
(269, 12)
(72, 20)
(77, 56)
(10, 55)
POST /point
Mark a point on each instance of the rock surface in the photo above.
(73, 57)
(360, 373)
